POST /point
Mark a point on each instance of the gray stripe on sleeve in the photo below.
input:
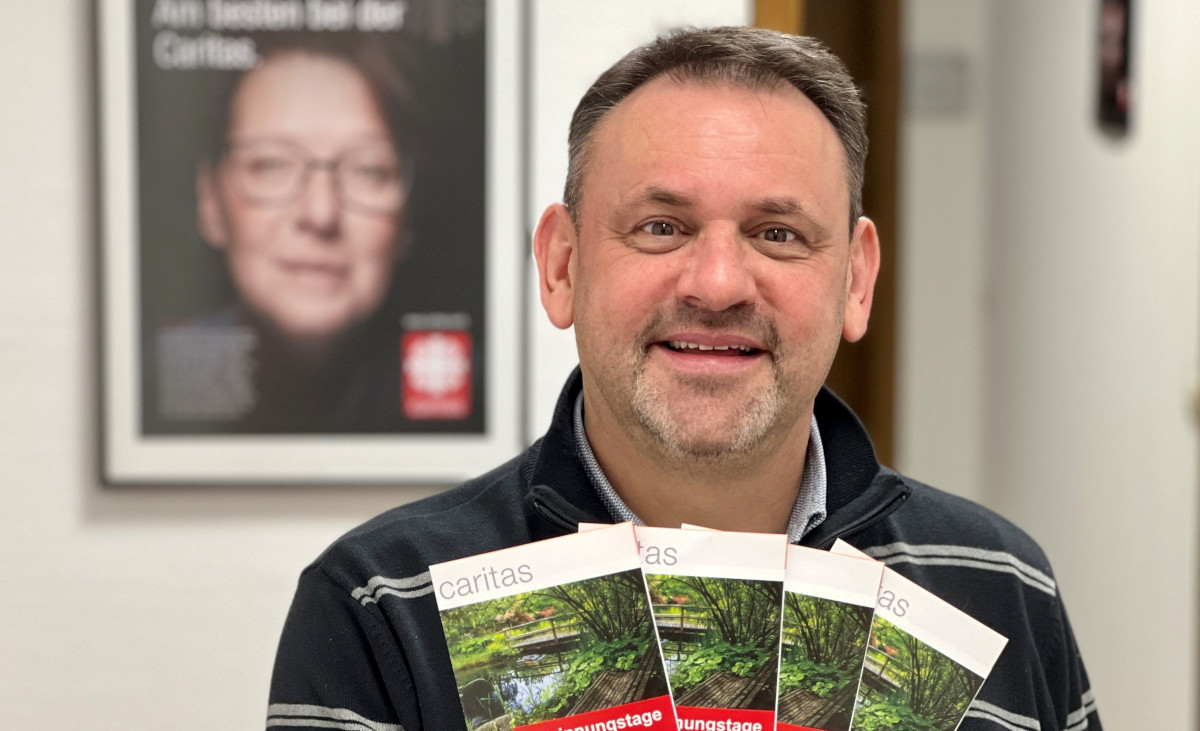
(997, 715)
(407, 587)
(320, 723)
(387, 591)
(994, 719)
(979, 558)
(310, 716)
(1077, 720)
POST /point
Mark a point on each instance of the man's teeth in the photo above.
(682, 345)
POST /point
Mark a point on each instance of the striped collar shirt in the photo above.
(807, 513)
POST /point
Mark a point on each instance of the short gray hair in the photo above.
(755, 58)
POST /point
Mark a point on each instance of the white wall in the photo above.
(1091, 350)
(941, 262)
(1050, 294)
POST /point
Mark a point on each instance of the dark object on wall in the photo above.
(1116, 93)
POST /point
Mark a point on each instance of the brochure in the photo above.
(717, 599)
(828, 603)
(925, 661)
(555, 635)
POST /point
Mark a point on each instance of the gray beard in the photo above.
(752, 422)
(650, 412)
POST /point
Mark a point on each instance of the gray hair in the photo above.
(755, 58)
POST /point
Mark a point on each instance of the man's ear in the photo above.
(860, 279)
(210, 215)
(555, 249)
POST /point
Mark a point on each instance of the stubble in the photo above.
(713, 427)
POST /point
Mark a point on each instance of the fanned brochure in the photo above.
(717, 598)
(556, 635)
(925, 660)
(828, 603)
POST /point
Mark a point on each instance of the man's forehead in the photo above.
(702, 89)
(669, 126)
(662, 104)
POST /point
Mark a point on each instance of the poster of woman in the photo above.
(300, 259)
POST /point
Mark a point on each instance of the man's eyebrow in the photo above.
(662, 196)
(782, 207)
(785, 206)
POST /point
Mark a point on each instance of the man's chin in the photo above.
(705, 432)
(707, 449)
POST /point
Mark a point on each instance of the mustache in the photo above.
(744, 320)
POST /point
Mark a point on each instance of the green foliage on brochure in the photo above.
(820, 678)
(719, 656)
(887, 716)
(474, 651)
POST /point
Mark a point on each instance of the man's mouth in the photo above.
(684, 346)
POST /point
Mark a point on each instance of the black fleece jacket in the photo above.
(363, 646)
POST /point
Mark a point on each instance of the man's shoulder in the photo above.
(483, 514)
(959, 547)
(983, 564)
(937, 516)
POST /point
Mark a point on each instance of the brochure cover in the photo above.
(555, 635)
(925, 662)
(717, 598)
(828, 602)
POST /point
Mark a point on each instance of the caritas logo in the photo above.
(436, 374)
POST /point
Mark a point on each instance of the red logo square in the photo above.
(435, 375)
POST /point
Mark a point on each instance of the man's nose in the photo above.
(321, 200)
(715, 275)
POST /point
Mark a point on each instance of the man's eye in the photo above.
(659, 228)
(779, 235)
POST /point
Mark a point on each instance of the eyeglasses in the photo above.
(370, 177)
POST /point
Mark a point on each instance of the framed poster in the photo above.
(311, 240)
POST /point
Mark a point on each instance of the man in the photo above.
(710, 253)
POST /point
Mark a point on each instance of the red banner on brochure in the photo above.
(654, 714)
(695, 718)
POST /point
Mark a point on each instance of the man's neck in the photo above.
(753, 490)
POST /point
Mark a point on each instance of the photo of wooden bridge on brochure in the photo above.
(560, 633)
(688, 623)
(540, 655)
(618, 687)
(675, 623)
(544, 635)
(805, 708)
(726, 690)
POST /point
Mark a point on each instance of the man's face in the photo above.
(714, 271)
(304, 259)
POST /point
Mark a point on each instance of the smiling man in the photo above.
(710, 267)
(711, 254)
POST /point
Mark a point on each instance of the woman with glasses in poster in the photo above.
(304, 194)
